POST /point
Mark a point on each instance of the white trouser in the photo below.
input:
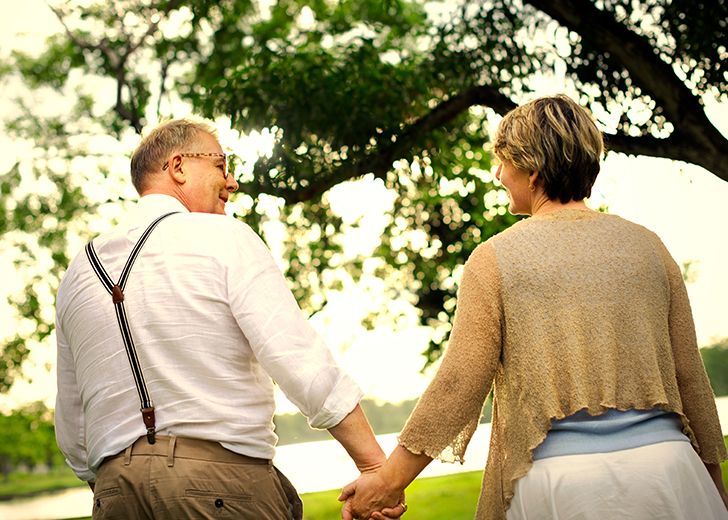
(665, 481)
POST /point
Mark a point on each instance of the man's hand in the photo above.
(370, 497)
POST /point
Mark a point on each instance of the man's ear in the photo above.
(175, 169)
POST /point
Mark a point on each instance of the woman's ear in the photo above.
(533, 180)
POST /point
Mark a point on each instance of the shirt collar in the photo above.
(152, 206)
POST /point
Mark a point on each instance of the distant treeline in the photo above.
(384, 418)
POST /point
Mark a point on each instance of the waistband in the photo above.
(614, 430)
(174, 447)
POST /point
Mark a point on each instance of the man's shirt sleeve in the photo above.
(283, 341)
(69, 416)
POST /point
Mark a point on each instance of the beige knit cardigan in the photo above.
(566, 311)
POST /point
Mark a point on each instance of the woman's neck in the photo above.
(546, 205)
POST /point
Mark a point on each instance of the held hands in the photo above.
(369, 497)
(379, 494)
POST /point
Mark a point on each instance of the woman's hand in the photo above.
(371, 497)
(391, 513)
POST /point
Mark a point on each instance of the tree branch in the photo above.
(695, 137)
(379, 160)
(117, 62)
(164, 70)
(639, 57)
(673, 147)
(668, 148)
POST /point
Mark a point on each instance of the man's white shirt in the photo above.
(212, 320)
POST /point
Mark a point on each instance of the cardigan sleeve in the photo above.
(696, 394)
(448, 413)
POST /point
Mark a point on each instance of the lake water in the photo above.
(312, 466)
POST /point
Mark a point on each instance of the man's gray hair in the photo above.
(165, 139)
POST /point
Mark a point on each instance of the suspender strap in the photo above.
(116, 290)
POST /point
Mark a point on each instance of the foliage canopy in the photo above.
(393, 90)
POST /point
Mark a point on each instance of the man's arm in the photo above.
(355, 434)
(293, 354)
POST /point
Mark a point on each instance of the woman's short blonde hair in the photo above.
(155, 147)
(556, 137)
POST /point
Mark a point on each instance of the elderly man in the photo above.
(181, 312)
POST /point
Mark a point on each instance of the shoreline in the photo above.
(40, 492)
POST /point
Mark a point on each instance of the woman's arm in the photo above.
(696, 393)
(448, 412)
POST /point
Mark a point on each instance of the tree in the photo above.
(715, 359)
(27, 437)
(383, 89)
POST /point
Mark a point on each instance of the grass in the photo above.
(453, 497)
(27, 484)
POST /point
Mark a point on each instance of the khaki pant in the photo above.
(178, 478)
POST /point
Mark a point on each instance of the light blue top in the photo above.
(613, 430)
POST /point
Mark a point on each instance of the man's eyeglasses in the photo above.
(225, 172)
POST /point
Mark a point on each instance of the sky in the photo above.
(684, 204)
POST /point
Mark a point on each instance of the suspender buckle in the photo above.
(150, 423)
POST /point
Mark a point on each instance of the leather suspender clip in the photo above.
(148, 418)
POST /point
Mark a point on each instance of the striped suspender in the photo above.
(116, 290)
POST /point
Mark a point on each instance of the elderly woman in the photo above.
(580, 322)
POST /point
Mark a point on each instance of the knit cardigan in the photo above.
(564, 311)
